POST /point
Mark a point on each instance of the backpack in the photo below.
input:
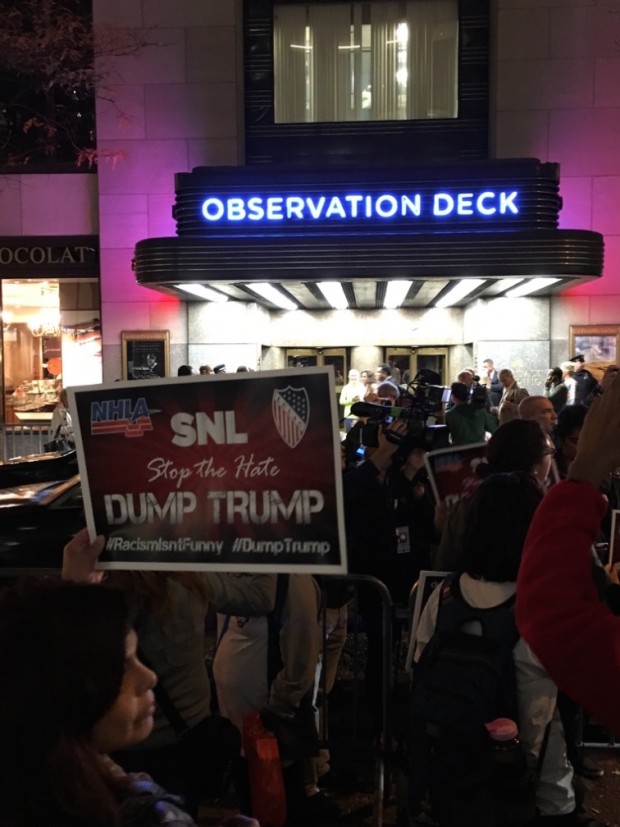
(462, 681)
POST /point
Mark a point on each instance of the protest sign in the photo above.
(227, 472)
(452, 471)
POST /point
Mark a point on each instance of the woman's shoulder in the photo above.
(146, 804)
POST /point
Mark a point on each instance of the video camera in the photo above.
(421, 398)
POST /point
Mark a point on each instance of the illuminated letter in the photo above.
(406, 204)
(368, 200)
(316, 209)
(274, 208)
(213, 214)
(354, 201)
(448, 204)
(464, 201)
(236, 209)
(506, 203)
(255, 209)
(335, 206)
(295, 206)
(485, 196)
(393, 206)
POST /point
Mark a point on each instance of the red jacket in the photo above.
(559, 612)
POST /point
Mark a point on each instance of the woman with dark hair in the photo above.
(520, 445)
(502, 507)
(168, 611)
(500, 513)
(73, 689)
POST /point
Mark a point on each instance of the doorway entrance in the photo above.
(410, 360)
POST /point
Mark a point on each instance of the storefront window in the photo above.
(51, 337)
(374, 61)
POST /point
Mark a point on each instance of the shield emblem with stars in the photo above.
(291, 412)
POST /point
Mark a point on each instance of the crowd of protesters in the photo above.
(92, 668)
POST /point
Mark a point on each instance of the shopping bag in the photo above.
(264, 772)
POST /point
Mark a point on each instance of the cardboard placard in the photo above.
(228, 472)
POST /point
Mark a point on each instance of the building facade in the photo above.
(190, 99)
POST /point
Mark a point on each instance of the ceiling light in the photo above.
(202, 292)
(530, 286)
(269, 292)
(395, 294)
(333, 292)
(459, 291)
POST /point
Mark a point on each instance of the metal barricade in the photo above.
(21, 440)
(383, 747)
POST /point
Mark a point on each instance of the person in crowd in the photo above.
(75, 691)
(387, 393)
(467, 423)
(169, 611)
(205, 370)
(585, 383)
(559, 610)
(511, 396)
(243, 369)
(352, 392)
(219, 369)
(541, 410)
(185, 370)
(490, 379)
(335, 598)
(396, 374)
(370, 386)
(489, 574)
(465, 377)
(395, 543)
(556, 389)
(61, 427)
(268, 664)
(568, 374)
(518, 446)
(384, 374)
(569, 425)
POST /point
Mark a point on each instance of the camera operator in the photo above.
(389, 521)
(468, 420)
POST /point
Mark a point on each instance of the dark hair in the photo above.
(517, 445)
(460, 391)
(185, 370)
(569, 418)
(556, 373)
(499, 515)
(63, 650)
(385, 368)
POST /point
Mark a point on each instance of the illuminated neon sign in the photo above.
(259, 208)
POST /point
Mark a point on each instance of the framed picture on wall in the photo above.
(599, 344)
(146, 353)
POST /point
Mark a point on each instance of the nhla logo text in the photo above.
(120, 416)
